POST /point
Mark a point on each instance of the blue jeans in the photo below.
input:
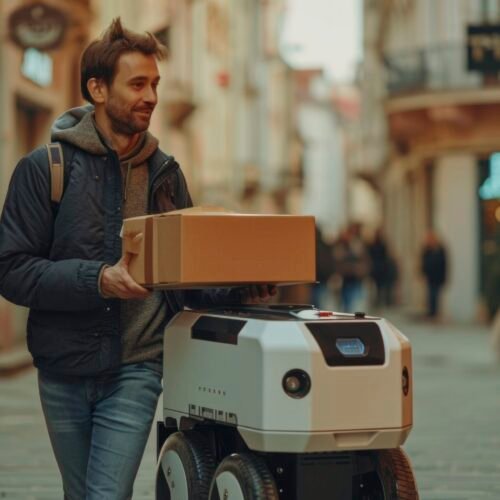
(98, 427)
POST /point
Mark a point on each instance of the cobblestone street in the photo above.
(454, 446)
(455, 443)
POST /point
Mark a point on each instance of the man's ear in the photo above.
(97, 90)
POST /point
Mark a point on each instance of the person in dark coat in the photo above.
(383, 270)
(377, 250)
(324, 270)
(433, 267)
(352, 265)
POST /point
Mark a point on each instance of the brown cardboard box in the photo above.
(208, 247)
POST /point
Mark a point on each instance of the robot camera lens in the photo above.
(296, 383)
(292, 384)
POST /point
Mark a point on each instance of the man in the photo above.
(95, 334)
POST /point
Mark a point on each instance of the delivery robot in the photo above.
(284, 402)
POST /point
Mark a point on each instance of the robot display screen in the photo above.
(351, 347)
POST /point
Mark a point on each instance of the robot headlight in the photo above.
(296, 383)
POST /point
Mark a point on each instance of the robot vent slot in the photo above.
(337, 458)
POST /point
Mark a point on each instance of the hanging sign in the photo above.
(37, 26)
(483, 48)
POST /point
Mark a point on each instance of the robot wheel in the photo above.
(243, 476)
(396, 475)
(186, 470)
(185, 467)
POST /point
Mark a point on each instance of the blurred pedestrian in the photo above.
(96, 335)
(383, 270)
(324, 270)
(492, 277)
(352, 265)
(391, 280)
(434, 270)
(495, 334)
(378, 252)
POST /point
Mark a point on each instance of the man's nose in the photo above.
(151, 95)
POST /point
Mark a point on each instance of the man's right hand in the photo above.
(116, 282)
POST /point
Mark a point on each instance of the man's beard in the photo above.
(124, 121)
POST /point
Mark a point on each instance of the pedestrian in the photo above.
(324, 271)
(94, 333)
(434, 268)
(383, 270)
(391, 279)
(352, 265)
(495, 334)
(378, 252)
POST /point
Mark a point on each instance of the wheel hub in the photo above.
(175, 475)
(228, 487)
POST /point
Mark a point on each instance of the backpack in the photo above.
(60, 156)
(55, 153)
(56, 166)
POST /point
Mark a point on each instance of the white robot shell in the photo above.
(229, 368)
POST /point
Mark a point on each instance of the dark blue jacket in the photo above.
(51, 257)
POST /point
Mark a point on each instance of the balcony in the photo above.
(433, 69)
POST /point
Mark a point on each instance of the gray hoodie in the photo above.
(142, 321)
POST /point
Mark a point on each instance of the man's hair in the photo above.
(99, 59)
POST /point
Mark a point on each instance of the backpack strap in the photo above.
(56, 165)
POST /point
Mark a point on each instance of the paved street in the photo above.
(455, 444)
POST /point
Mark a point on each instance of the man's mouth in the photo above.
(144, 112)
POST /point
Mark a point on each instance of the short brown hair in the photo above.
(100, 57)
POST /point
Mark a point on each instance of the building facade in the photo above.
(430, 141)
(324, 192)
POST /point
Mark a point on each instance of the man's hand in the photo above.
(256, 294)
(116, 282)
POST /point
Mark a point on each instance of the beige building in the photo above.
(428, 142)
(35, 87)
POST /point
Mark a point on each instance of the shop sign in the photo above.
(490, 189)
(483, 48)
(37, 66)
(37, 26)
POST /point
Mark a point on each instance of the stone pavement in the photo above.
(28, 470)
(454, 446)
(455, 442)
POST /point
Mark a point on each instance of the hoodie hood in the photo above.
(77, 127)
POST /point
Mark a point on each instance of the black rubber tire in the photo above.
(396, 475)
(198, 463)
(252, 474)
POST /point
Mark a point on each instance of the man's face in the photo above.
(132, 97)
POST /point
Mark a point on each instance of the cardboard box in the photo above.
(199, 247)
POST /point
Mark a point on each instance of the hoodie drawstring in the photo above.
(127, 177)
